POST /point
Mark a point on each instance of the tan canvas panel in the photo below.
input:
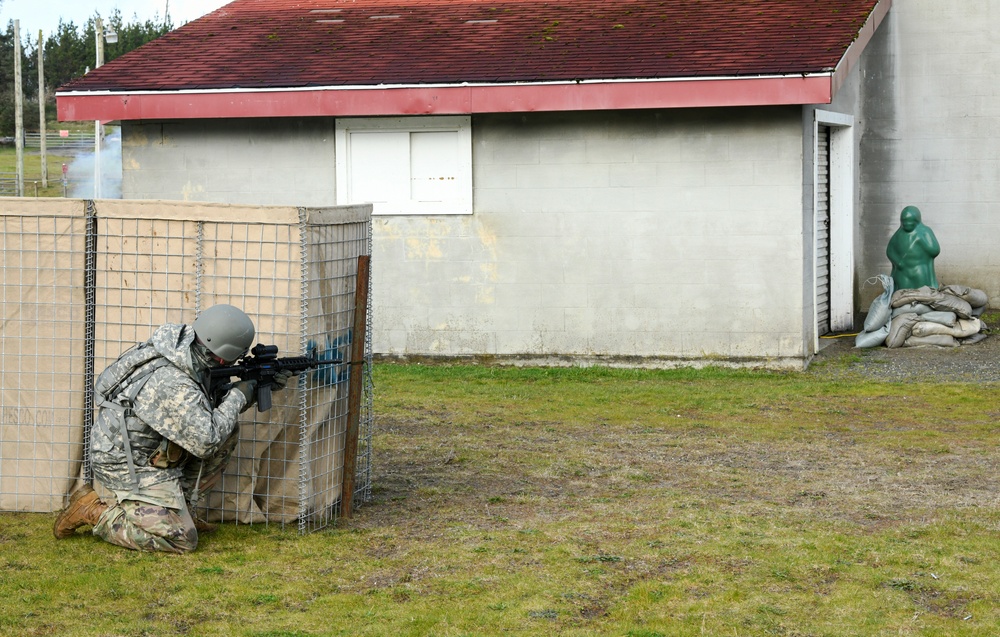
(42, 207)
(202, 211)
(338, 215)
(146, 275)
(42, 350)
(293, 271)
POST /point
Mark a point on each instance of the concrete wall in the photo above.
(280, 161)
(660, 234)
(668, 234)
(932, 137)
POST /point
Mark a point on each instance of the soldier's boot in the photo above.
(204, 527)
(85, 507)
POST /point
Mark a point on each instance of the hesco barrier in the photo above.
(85, 280)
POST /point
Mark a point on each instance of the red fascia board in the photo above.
(447, 100)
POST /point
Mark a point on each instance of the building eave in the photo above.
(463, 99)
(853, 54)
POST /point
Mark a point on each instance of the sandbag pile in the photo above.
(944, 317)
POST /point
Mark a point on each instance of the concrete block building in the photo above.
(931, 138)
(637, 183)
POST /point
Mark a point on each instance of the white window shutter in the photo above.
(411, 165)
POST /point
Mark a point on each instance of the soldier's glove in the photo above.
(280, 379)
(247, 388)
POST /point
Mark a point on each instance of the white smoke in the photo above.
(80, 172)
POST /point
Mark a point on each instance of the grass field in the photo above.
(589, 502)
(33, 185)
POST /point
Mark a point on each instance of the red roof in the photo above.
(300, 44)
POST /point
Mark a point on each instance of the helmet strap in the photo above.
(202, 357)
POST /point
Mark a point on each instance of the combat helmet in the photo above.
(225, 330)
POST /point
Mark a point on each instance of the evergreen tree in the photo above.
(29, 82)
(68, 54)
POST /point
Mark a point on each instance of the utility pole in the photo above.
(18, 110)
(41, 110)
(99, 34)
(111, 37)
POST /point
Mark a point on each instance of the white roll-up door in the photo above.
(823, 230)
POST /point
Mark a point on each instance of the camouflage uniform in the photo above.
(179, 442)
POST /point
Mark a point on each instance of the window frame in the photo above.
(460, 124)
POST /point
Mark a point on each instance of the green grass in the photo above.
(33, 171)
(589, 502)
(33, 165)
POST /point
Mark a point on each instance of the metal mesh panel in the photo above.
(363, 492)
(330, 286)
(293, 270)
(42, 356)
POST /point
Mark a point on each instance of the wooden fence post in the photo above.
(356, 385)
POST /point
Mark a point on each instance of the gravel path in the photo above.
(978, 363)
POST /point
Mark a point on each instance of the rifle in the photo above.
(261, 365)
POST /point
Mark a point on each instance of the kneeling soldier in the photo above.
(176, 442)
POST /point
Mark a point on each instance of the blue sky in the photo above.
(44, 14)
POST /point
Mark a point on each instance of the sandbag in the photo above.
(912, 295)
(972, 340)
(944, 318)
(965, 328)
(900, 328)
(937, 300)
(871, 339)
(879, 311)
(929, 328)
(936, 340)
(949, 303)
(912, 308)
(974, 297)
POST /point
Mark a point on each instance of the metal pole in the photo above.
(99, 35)
(18, 110)
(41, 109)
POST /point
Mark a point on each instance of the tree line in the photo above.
(67, 55)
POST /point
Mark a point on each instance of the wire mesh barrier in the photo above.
(85, 280)
(42, 362)
(59, 142)
(76, 151)
(8, 184)
(35, 187)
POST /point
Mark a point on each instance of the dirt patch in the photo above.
(499, 476)
(977, 363)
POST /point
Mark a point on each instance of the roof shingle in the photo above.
(339, 43)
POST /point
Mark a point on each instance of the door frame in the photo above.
(841, 302)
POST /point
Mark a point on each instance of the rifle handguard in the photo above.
(261, 366)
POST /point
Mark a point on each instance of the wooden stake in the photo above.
(356, 385)
(18, 111)
(41, 109)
